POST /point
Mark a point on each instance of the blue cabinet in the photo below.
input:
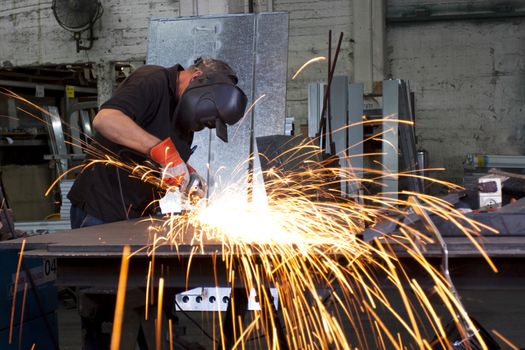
(39, 319)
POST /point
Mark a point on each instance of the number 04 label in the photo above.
(50, 268)
(40, 274)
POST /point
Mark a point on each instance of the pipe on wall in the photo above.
(429, 11)
(455, 17)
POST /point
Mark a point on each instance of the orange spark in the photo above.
(15, 290)
(307, 63)
(158, 323)
(24, 296)
(121, 297)
(505, 340)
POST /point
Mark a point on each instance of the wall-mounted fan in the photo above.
(78, 16)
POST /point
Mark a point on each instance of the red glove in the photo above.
(174, 170)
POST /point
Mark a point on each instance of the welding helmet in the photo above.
(212, 100)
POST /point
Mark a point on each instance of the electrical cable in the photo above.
(122, 194)
(121, 191)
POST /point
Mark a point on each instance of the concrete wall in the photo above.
(32, 36)
(468, 76)
(310, 21)
(469, 83)
(25, 186)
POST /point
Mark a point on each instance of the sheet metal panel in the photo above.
(390, 148)
(271, 62)
(355, 133)
(256, 46)
(108, 240)
(339, 112)
(315, 107)
(58, 145)
(339, 116)
(407, 138)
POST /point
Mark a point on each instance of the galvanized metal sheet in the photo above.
(355, 134)
(390, 147)
(339, 114)
(315, 107)
(346, 103)
(256, 47)
(58, 144)
(355, 131)
(271, 45)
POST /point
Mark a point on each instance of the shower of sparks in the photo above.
(304, 239)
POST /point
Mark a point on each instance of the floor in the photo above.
(69, 333)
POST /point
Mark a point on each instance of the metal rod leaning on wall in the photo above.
(327, 92)
(322, 120)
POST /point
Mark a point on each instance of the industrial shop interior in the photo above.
(262, 174)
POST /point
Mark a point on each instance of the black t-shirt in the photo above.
(148, 96)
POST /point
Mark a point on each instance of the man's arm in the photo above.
(121, 129)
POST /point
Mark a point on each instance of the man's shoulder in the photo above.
(149, 70)
(146, 76)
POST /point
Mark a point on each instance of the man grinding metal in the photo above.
(154, 113)
(151, 117)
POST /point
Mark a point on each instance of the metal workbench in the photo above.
(90, 257)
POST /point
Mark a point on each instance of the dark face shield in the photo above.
(220, 127)
(212, 102)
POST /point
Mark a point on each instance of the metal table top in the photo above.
(91, 256)
(109, 239)
(106, 240)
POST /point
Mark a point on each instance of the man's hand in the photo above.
(174, 170)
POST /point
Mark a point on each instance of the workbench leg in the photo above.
(149, 330)
(272, 314)
(130, 329)
(96, 313)
(234, 317)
